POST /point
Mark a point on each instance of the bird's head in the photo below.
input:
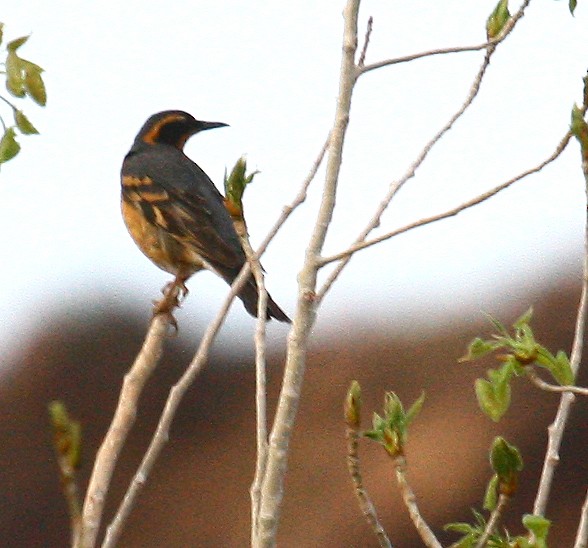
(172, 127)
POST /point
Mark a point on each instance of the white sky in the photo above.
(270, 70)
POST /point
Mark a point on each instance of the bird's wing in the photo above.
(175, 201)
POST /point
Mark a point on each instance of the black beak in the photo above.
(201, 126)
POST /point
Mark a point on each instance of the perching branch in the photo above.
(176, 395)
(122, 422)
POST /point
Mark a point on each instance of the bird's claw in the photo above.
(173, 293)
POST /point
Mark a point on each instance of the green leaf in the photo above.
(505, 459)
(524, 320)
(415, 409)
(579, 129)
(1, 32)
(562, 370)
(498, 19)
(393, 409)
(34, 84)
(572, 5)
(459, 527)
(9, 147)
(499, 327)
(14, 75)
(23, 123)
(491, 495)
(478, 348)
(539, 526)
(13, 45)
(494, 395)
(493, 399)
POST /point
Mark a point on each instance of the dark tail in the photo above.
(249, 297)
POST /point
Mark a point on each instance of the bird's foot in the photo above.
(173, 293)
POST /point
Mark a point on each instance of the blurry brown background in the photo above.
(198, 493)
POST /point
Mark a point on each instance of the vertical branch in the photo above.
(557, 428)
(272, 488)
(260, 377)
(582, 534)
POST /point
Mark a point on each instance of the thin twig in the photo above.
(582, 534)
(493, 521)
(397, 185)
(459, 49)
(409, 498)
(260, 378)
(450, 212)
(557, 428)
(122, 422)
(366, 42)
(367, 507)
(540, 383)
(272, 488)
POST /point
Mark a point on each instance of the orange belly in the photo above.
(166, 252)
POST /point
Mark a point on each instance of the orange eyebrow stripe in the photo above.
(153, 134)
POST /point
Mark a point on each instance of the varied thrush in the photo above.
(175, 213)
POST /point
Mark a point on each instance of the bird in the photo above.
(175, 213)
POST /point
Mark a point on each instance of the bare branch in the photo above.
(122, 422)
(272, 489)
(557, 428)
(409, 498)
(540, 383)
(493, 521)
(397, 185)
(176, 395)
(459, 49)
(365, 503)
(582, 534)
(450, 212)
(260, 378)
(366, 42)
